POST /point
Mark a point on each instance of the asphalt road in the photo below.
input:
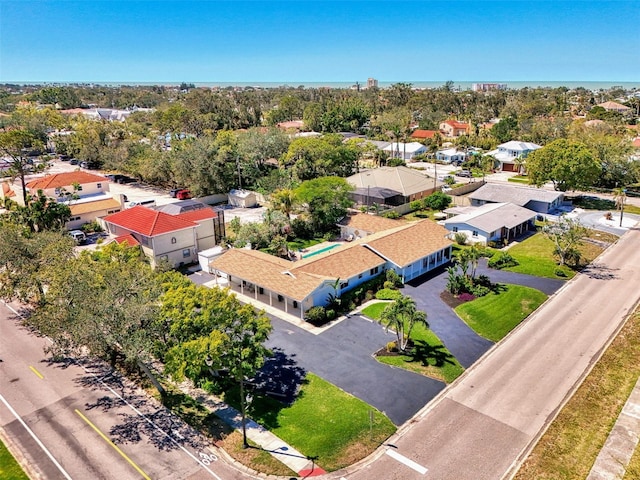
(487, 422)
(87, 423)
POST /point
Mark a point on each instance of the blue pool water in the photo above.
(325, 249)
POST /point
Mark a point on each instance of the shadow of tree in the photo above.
(429, 355)
(599, 272)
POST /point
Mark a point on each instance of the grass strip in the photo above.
(570, 446)
(326, 423)
(9, 467)
(496, 314)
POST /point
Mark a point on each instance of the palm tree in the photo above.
(283, 201)
(401, 315)
(620, 197)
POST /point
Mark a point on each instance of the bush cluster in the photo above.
(388, 294)
(502, 260)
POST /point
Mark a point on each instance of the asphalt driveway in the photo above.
(343, 355)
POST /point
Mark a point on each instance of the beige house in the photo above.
(164, 237)
(453, 128)
(86, 194)
(411, 249)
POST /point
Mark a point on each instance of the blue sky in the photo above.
(316, 41)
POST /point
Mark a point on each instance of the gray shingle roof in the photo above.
(494, 216)
(495, 193)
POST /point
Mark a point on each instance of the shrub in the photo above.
(502, 260)
(330, 313)
(368, 296)
(437, 201)
(480, 290)
(460, 238)
(560, 273)
(91, 227)
(316, 315)
(391, 347)
(415, 205)
(466, 297)
(388, 285)
(422, 214)
(391, 214)
(393, 278)
(388, 294)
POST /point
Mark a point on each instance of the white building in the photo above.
(511, 154)
(405, 151)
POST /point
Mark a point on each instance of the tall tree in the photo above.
(401, 316)
(325, 201)
(567, 235)
(569, 165)
(15, 146)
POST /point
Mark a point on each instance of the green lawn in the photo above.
(325, 422)
(535, 257)
(518, 179)
(9, 468)
(429, 357)
(298, 244)
(495, 315)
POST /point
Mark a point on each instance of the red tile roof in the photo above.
(59, 180)
(423, 134)
(148, 222)
(195, 215)
(456, 124)
(128, 239)
(636, 142)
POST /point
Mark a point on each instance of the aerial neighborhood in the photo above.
(279, 255)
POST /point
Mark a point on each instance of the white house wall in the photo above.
(425, 264)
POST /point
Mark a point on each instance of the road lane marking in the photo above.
(33, 435)
(33, 369)
(117, 395)
(142, 415)
(117, 449)
(408, 462)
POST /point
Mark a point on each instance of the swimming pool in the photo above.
(322, 250)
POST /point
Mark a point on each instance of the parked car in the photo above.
(78, 236)
(464, 173)
(119, 178)
(144, 203)
(74, 161)
(183, 194)
(174, 191)
(84, 164)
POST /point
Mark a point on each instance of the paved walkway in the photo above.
(623, 439)
(296, 461)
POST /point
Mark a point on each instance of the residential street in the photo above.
(484, 425)
(88, 423)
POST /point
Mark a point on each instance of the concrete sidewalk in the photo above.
(296, 461)
(616, 453)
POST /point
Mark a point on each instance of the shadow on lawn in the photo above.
(430, 355)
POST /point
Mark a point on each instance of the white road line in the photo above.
(33, 435)
(409, 463)
(125, 401)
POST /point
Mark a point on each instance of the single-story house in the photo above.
(411, 249)
(242, 198)
(406, 184)
(405, 151)
(614, 107)
(535, 199)
(451, 155)
(423, 134)
(511, 155)
(493, 222)
(453, 128)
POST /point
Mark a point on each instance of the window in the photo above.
(344, 285)
(99, 185)
(375, 270)
(109, 212)
(360, 276)
(186, 253)
(144, 240)
(475, 233)
(164, 258)
(455, 229)
(173, 240)
(73, 219)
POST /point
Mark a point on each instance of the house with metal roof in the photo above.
(492, 222)
(535, 199)
(511, 155)
(405, 151)
(411, 249)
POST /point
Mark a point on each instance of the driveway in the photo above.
(465, 344)
(343, 355)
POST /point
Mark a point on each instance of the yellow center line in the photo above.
(33, 369)
(106, 439)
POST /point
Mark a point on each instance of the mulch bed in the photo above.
(450, 300)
